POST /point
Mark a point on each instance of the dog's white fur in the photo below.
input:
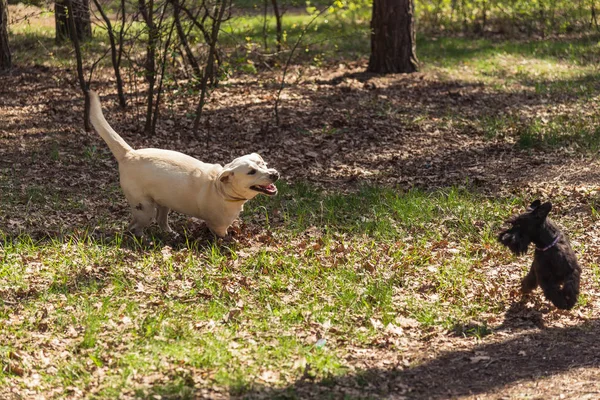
(156, 181)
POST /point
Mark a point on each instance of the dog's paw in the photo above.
(226, 240)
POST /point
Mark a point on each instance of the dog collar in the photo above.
(235, 199)
(550, 245)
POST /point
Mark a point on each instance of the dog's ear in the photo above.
(543, 210)
(534, 205)
(258, 155)
(225, 176)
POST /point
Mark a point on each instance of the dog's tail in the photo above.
(565, 297)
(115, 143)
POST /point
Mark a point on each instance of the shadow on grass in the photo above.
(531, 356)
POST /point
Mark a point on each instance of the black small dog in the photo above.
(554, 262)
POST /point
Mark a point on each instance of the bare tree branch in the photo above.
(289, 59)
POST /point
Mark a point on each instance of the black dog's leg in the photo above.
(530, 281)
(553, 292)
(570, 290)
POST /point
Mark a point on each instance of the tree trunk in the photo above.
(81, 12)
(279, 31)
(147, 11)
(393, 47)
(5, 59)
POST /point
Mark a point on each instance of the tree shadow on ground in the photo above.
(526, 357)
(424, 133)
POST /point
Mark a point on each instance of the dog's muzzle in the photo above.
(514, 240)
(270, 189)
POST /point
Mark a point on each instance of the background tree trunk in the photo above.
(81, 12)
(393, 47)
(279, 31)
(5, 58)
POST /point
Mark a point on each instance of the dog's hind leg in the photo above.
(570, 289)
(162, 217)
(530, 281)
(556, 295)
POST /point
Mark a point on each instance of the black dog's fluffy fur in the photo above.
(552, 267)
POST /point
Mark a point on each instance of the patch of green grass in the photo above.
(258, 5)
(595, 269)
(340, 266)
(560, 131)
(449, 51)
(381, 214)
(579, 132)
(36, 45)
(331, 35)
(343, 33)
(554, 66)
(576, 130)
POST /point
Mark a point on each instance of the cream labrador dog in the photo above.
(157, 181)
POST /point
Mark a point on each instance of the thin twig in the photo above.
(287, 63)
(162, 76)
(95, 63)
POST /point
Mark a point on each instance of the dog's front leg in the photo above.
(162, 218)
(530, 281)
(220, 231)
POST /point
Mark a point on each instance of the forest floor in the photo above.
(374, 273)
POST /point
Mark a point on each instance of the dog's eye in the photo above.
(252, 172)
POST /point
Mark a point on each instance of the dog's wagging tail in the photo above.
(555, 268)
(115, 143)
(156, 181)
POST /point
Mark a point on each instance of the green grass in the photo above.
(545, 67)
(331, 35)
(337, 264)
(576, 130)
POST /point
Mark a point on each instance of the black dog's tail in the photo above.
(566, 297)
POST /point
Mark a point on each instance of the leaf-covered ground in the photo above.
(373, 274)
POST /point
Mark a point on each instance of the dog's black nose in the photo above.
(274, 176)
